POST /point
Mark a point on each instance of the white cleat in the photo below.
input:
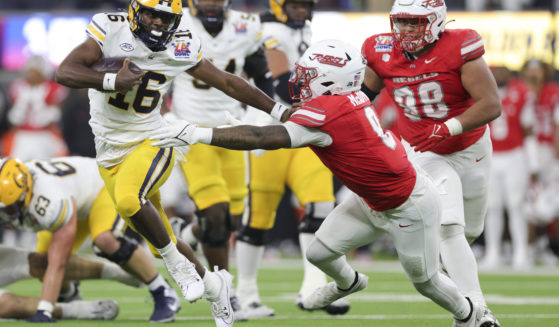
(256, 310)
(488, 319)
(478, 317)
(221, 307)
(327, 294)
(338, 307)
(97, 310)
(188, 279)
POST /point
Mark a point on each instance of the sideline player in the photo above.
(339, 124)
(447, 96)
(125, 108)
(65, 200)
(287, 34)
(513, 142)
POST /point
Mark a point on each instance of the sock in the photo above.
(171, 255)
(69, 310)
(212, 284)
(460, 263)
(519, 234)
(441, 290)
(157, 282)
(313, 277)
(112, 271)
(493, 232)
(332, 264)
(188, 236)
(248, 261)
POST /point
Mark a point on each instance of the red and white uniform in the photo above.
(428, 90)
(34, 116)
(547, 114)
(509, 182)
(389, 195)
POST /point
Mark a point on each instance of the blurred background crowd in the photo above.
(40, 119)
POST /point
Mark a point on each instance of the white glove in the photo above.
(181, 133)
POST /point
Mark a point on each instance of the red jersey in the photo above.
(370, 162)
(507, 131)
(546, 102)
(387, 111)
(41, 102)
(428, 89)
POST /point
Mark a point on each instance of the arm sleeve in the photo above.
(302, 135)
(256, 67)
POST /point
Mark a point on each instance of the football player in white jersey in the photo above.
(216, 176)
(66, 202)
(125, 108)
(287, 34)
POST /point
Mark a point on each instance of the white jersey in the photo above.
(293, 42)
(121, 121)
(55, 182)
(199, 103)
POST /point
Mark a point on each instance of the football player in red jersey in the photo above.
(537, 75)
(513, 142)
(339, 124)
(447, 96)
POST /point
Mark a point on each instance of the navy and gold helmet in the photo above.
(277, 7)
(211, 16)
(16, 188)
(169, 11)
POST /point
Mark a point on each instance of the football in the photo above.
(113, 65)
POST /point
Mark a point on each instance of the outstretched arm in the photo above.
(237, 88)
(246, 137)
(242, 137)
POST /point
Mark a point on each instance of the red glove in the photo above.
(430, 138)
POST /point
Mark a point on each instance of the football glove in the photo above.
(181, 133)
(430, 137)
(42, 316)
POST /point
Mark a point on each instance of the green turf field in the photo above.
(518, 299)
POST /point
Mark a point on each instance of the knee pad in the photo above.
(315, 212)
(215, 231)
(122, 255)
(128, 205)
(451, 231)
(252, 236)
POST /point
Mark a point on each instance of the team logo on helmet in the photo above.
(433, 3)
(329, 60)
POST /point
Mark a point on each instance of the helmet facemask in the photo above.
(411, 41)
(299, 82)
(211, 12)
(417, 23)
(294, 19)
(154, 37)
